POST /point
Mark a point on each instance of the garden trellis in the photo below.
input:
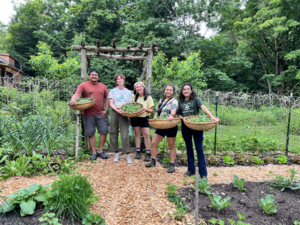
(99, 51)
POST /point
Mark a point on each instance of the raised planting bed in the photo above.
(246, 203)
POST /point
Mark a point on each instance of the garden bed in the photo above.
(246, 203)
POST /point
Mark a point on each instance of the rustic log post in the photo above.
(83, 62)
(77, 133)
(149, 69)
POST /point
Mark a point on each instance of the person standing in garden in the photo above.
(166, 107)
(141, 122)
(94, 116)
(119, 96)
(189, 105)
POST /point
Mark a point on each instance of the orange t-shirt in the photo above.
(97, 91)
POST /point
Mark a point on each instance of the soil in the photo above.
(178, 162)
(14, 218)
(246, 203)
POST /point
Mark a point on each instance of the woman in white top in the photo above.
(118, 97)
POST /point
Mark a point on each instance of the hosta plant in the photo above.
(281, 159)
(228, 160)
(218, 202)
(203, 186)
(26, 199)
(239, 183)
(268, 204)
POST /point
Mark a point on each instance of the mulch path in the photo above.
(134, 194)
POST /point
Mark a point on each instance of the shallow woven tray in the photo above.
(135, 114)
(164, 124)
(199, 126)
(82, 106)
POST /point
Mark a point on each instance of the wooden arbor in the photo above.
(99, 53)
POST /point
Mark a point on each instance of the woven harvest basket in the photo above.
(199, 126)
(134, 114)
(164, 124)
(82, 106)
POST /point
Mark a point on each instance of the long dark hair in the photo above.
(160, 104)
(192, 95)
(145, 93)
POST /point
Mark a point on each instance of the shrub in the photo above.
(70, 196)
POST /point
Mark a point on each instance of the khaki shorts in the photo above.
(91, 122)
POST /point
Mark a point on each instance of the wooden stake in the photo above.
(197, 197)
(83, 63)
(77, 133)
(149, 69)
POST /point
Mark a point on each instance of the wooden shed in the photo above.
(10, 70)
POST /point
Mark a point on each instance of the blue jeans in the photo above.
(187, 134)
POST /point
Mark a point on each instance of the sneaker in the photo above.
(93, 157)
(116, 159)
(102, 155)
(152, 163)
(128, 159)
(138, 155)
(147, 158)
(188, 174)
(171, 168)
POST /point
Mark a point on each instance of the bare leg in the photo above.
(102, 140)
(146, 136)
(155, 141)
(92, 142)
(171, 142)
(137, 137)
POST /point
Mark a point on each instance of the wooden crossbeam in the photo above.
(109, 49)
(108, 56)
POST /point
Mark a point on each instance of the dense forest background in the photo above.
(255, 46)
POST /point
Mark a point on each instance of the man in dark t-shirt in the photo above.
(94, 116)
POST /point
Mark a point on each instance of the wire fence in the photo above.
(247, 120)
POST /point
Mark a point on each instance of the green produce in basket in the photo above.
(131, 108)
(84, 100)
(166, 116)
(198, 119)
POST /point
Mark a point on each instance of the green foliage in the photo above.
(50, 218)
(131, 107)
(296, 222)
(199, 119)
(239, 183)
(16, 168)
(65, 166)
(84, 100)
(244, 159)
(166, 162)
(218, 203)
(279, 181)
(70, 195)
(257, 160)
(91, 219)
(181, 208)
(295, 159)
(269, 159)
(213, 160)
(267, 204)
(240, 216)
(26, 199)
(281, 159)
(228, 160)
(203, 186)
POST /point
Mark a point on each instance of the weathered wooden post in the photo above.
(83, 62)
(149, 68)
(77, 132)
(197, 197)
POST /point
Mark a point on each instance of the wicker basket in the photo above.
(135, 114)
(164, 124)
(199, 126)
(82, 106)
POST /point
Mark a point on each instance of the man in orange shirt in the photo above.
(94, 116)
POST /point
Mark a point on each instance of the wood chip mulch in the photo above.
(134, 194)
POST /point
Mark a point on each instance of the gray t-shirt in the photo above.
(119, 96)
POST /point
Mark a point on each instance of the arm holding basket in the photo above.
(206, 110)
(74, 99)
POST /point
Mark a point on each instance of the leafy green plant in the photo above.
(131, 107)
(279, 181)
(244, 159)
(183, 160)
(85, 100)
(198, 119)
(50, 218)
(296, 222)
(295, 159)
(257, 160)
(70, 195)
(213, 160)
(65, 166)
(267, 204)
(203, 186)
(239, 183)
(91, 219)
(40, 164)
(218, 203)
(281, 159)
(228, 160)
(269, 159)
(26, 199)
(166, 162)
(181, 208)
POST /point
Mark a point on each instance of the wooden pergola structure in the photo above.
(99, 51)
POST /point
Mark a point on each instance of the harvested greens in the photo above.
(131, 107)
(199, 119)
(84, 100)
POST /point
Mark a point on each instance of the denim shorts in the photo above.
(91, 122)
